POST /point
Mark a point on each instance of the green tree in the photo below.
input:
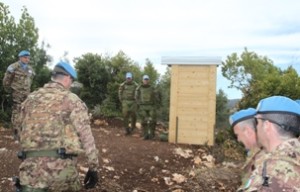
(222, 111)
(240, 71)
(286, 83)
(223, 130)
(40, 60)
(101, 77)
(26, 34)
(94, 75)
(151, 71)
(164, 86)
(13, 38)
(257, 78)
(254, 75)
(118, 66)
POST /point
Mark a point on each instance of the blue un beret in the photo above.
(146, 77)
(278, 104)
(241, 116)
(66, 67)
(128, 75)
(24, 53)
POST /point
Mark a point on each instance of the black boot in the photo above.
(127, 131)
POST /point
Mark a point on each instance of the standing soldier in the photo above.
(17, 81)
(55, 130)
(147, 99)
(129, 107)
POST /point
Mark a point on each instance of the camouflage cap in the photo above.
(128, 75)
(146, 77)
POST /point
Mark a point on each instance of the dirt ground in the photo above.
(131, 164)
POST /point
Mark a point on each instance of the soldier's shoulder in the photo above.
(138, 87)
(12, 67)
(73, 98)
(122, 84)
(30, 69)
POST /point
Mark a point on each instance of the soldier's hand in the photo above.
(91, 179)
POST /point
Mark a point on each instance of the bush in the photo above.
(106, 109)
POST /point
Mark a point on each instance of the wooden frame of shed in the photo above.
(192, 99)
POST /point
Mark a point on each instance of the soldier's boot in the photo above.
(29, 189)
(127, 131)
(133, 123)
(145, 132)
(16, 135)
(151, 134)
(152, 130)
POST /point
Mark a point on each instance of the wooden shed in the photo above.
(192, 99)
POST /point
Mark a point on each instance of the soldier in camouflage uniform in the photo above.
(243, 124)
(55, 130)
(146, 97)
(129, 107)
(17, 81)
(277, 129)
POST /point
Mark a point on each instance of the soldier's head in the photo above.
(146, 79)
(277, 119)
(243, 125)
(128, 76)
(24, 56)
(64, 73)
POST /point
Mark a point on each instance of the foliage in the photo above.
(164, 89)
(106, 109)
(257, 78)
(222, 111)
(285, 83)
(101, 77)
(118, 66)
(151, 72)
(94, 75)
(15, 37)
(39, 62)
(240, 71)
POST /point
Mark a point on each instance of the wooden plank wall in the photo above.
(192, 104)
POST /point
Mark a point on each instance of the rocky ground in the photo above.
(131, 164)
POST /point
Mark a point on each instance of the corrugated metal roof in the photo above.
(190, 60)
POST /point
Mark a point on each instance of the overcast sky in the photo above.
(155, 28)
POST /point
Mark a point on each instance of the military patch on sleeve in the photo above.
(10, 69)
(248, 183)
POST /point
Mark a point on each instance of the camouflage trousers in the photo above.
(50, 174)
(15, 119)
(129, 108)
(147, 114)
(18, 98)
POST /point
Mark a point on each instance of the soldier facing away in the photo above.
(277, 126)
(17, 81)
(55, 130)
(129, 107)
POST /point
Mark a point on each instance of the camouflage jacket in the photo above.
(255, 157)
(278, 170)
(147, 95)
(18, 79)
(127, 90)
(53, 117)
